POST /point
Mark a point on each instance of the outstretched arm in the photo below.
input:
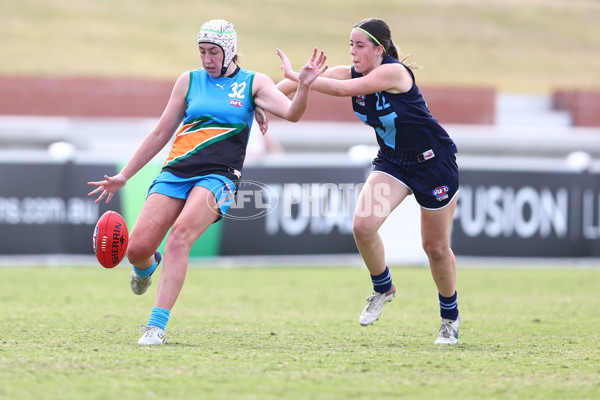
(341, 72)
(289, 84)
(337, 82)
(150, 146)
(274, 101)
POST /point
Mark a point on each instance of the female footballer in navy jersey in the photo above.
(215, 106)
(416, 156)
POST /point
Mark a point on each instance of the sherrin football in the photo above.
(110, 239)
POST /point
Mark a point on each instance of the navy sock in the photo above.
(159, 317)
(382, 283)
(449, 306)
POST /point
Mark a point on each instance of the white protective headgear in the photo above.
(221, 33)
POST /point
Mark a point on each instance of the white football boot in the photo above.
(140, 285)
(374, 307)
(153, 335)
(448, 331)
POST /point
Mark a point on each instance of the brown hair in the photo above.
(379, 30)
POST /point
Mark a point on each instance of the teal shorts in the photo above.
(173, 186)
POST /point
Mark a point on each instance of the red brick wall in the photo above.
(131, 97)
(83, 97)
(562, 99)
(461, 105)
(584, 105)
(448, 105)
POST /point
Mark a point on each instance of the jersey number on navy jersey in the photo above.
(381, 101)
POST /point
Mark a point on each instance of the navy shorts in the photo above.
(434, 187)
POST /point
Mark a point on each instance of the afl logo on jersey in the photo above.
(236, 103)
(360, 100)
(441, 192)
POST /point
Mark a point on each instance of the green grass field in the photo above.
(511, 45)
(292, 333)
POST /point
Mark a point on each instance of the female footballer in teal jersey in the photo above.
(416, 156)
(216, 104)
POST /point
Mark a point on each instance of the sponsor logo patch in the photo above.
(235, 172)
(441, 192)
(427, 155)
(235, 103)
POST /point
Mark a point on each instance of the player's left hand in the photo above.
(262, 119)
(107, 187)
(313, 68)
(286, 67)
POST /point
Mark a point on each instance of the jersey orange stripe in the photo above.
(186, 142)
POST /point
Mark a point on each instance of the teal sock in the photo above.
(159, 317)
(144, 273)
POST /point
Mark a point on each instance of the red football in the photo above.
(110, 239)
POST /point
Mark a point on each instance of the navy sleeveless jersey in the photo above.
(217, 122)
(407, 134)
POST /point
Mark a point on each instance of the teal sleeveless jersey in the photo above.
(217, 122)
